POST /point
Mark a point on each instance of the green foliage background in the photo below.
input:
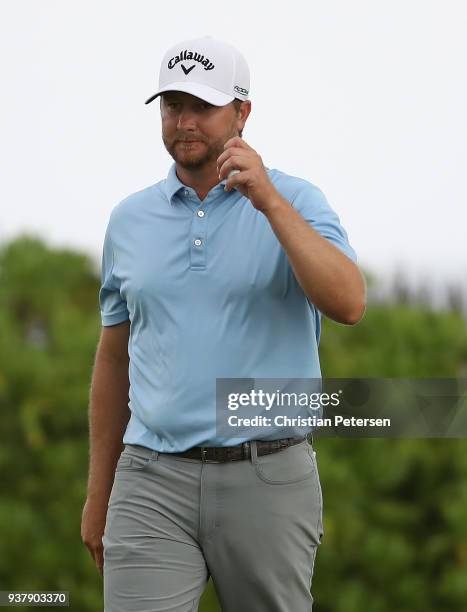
(395, 511)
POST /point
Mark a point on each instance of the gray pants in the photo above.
(254, 525)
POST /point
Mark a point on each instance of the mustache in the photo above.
(186, 139)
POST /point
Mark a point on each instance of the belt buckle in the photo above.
(203, 456)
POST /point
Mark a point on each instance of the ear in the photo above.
(242, 115)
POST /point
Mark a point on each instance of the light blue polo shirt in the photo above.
(210, 294)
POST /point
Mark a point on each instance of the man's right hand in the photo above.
(92, 529)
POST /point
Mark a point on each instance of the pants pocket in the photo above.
(290, 465)
(128, 461)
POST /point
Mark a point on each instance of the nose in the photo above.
(186, 120)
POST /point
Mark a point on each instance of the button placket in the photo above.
(198, 240)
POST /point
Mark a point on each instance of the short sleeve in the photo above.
(312, 204)
(113, 307)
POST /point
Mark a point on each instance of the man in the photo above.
(222, 270)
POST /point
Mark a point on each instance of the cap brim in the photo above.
(208, 94)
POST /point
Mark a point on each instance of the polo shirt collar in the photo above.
(173, 184)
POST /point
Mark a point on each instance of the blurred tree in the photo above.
(401, 288)
(49, 325)
(395, 511)
(456, 299)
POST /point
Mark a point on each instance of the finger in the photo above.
(100, 568)
(233, 163)
(99, 559)
(96, 550)
(237, 141)
(229, 153)
(237, 178)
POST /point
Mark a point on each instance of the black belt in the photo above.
(219, 454)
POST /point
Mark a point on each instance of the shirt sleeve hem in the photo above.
(113, 319)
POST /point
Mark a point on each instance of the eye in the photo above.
(171, 104)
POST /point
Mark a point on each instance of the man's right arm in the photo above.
(108, 408)
(108, 418)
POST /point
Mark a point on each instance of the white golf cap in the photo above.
(206, 68)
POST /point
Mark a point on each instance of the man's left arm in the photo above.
(330, 279)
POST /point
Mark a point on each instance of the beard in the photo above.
(197, 155)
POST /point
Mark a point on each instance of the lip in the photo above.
(188, 141)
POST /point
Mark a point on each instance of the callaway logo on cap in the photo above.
(206, 68)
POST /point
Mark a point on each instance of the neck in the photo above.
(202, 180)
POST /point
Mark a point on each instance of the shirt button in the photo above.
(198, 242)
(200, 213)
(186, 192)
